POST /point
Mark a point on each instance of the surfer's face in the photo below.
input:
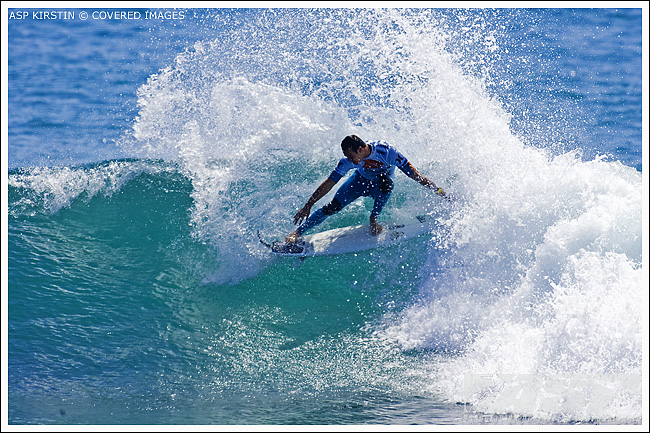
(356, 156)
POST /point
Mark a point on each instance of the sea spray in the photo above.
(540, 292)
(255, 133)
(534, 231)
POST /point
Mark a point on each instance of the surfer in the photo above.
(375, 164)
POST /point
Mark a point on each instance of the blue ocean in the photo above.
(146, 148)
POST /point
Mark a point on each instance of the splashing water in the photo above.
(534, 292)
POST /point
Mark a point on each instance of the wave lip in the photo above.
(54, 188)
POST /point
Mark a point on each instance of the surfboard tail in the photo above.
(282, 247)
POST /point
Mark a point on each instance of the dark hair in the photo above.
(352, 142)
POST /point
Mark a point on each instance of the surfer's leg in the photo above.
(314, 219)
(381, 193)
(319, 216)
(351, 190)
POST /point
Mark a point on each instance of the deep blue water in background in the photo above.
(144, 154)
(72, 84)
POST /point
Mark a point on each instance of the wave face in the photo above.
(527, 302)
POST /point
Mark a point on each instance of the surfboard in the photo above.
(352, 239)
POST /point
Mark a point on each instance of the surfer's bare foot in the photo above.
(292, 237)
(375, 227)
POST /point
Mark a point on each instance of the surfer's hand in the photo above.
(441, 192)
(302, 214)
(438, 191)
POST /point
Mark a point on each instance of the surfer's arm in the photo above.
(411, 172)
(320, 192)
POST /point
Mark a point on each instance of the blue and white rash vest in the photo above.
(382, 160)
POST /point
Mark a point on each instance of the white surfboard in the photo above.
(352, 239)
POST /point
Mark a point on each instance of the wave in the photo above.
(122, 203)
(535, 292)
(50, 189)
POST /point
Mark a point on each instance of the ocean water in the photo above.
(145, 151)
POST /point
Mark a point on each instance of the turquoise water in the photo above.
(144, 156)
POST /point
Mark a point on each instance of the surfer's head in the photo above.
(352, 142)
(354, 148)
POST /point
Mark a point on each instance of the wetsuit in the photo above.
(372, 178)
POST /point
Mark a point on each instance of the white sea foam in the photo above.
(540, 290)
